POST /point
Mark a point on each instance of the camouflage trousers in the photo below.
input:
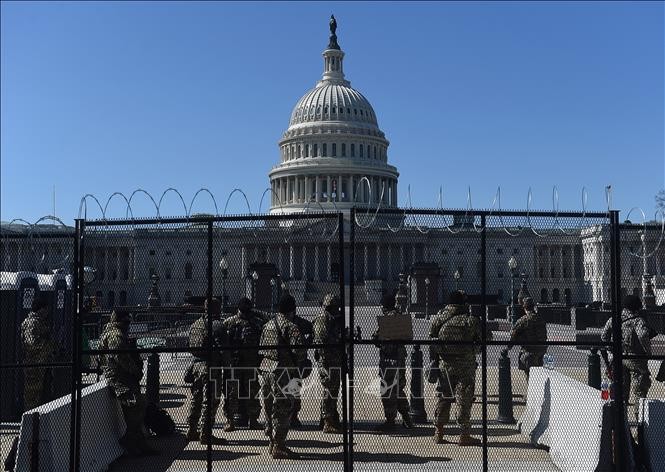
(278, 404)
(636, 377)
(36, 387)
(456, 384)
(242, 387)
(198, 407)
(393, 398)
(527, 360)
(331, 379)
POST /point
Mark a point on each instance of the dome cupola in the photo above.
(333, 147)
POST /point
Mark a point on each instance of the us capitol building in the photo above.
(333, 156)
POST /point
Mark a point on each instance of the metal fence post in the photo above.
(347, 335)
(211, 385)
(483, 324)
(75, 404)
(350, 346)
(617, 352)
(593, 369)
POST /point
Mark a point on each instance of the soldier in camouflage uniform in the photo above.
(281, 375)
(38, 348)
(123, 372)
(307, 331)
(457, 366)
(328, 328)
(242, 383)
(203, 368)
(529, 328)
(392, 370)
(635, 340)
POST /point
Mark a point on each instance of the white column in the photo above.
(366, 262)
(316, 263)
(280, 259)
(307, 192)
(318, 188)
(304, 262)
(288, 190)
(339, 188)
(328, 189)
(291, 262)
(243, 261)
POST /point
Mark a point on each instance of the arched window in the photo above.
(543, 296)
(188, 271)
(369, 149)
(374, 152)
(343, 149)
(361, 150)
(111, 300)
(306, 150)
(334, 150)
(353, 150)
(325, 150)
(555, 295)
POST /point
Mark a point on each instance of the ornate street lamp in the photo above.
(273, 288)
(255, 278)
(457, 276)
(224, 266)
(512, 266)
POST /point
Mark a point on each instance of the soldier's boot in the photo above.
(438, 434)
(406, 418)
(387, 425)
(295, 422)
(330, 427)
(280, 451)
(209, 438)
(465, 439)
(254, 424)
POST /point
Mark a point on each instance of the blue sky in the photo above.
(105, 97)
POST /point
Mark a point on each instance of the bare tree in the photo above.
(660, 200)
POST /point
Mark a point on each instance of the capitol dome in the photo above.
(333, 154)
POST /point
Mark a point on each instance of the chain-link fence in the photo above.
(389, 339)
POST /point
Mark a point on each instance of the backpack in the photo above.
(458, 329)
(158, 421)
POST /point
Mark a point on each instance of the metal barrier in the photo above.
(163, 271)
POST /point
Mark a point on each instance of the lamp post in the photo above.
(427, 298)
(224, 266)
(512, 266)
(408, 301)
(255, 278)
(273, 287)
(457, 276)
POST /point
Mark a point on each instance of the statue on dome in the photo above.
(333, 37)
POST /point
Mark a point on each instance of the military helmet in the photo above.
(331, 300)
(456, 298)
(632, 302)
(244, 305)
(528, 303)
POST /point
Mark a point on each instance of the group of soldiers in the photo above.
(250, 343)
(229, 356)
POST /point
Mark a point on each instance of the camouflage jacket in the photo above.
(198, 338)
(280, 331)
(530, 327)
(305, 327)
(124, 369)
(635, 333)
(328, 330)
(455, 323)
(38, 346)
(244, 330)
(392, 355)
